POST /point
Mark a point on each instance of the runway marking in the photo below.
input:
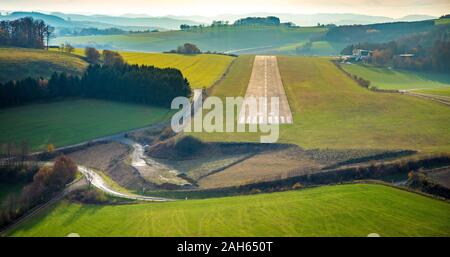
(265, 82)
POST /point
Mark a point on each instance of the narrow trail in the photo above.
(98, 182)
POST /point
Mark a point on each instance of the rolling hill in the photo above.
(77, 21)
(201, 70)
(311, 19)
(167, 23)
(221, 39)
(19, 63)
(344, 210)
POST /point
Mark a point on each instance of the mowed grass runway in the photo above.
(344, 210)
(384, 78)
(332, 111)
(73, 121)
(19, 63)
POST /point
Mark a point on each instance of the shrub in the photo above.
(188, 145)
(297, 186)
(89, 196)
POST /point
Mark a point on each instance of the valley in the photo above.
(88, 145)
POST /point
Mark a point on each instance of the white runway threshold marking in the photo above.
(265, 81)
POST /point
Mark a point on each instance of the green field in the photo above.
(384, 78)
(331, 111)
(220, 39)
(435, 91)
(73, 121)
(19, 63)
(319, 48)
(201, 70)
(346, 210)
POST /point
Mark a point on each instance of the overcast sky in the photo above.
(390, 8)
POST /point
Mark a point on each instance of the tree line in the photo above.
(110, 79)
(422, 51)
(376, 33)
(25, 32)
(46, 182)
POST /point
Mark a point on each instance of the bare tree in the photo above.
(48, 31)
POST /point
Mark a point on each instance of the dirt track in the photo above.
(440, 99)
(265, 81)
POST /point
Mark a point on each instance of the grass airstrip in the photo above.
(330, 110)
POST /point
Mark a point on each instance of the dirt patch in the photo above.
(152, 135)
(112, 159)
(101, 156)
(440, 176)
(265, 166)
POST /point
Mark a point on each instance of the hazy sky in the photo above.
(391, 8)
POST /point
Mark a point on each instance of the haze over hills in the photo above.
(170, 22)
(129, 20)
(71, 21)
(310, 19)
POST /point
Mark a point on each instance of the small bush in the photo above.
(188, 145)
(297, 186)
(89, 196)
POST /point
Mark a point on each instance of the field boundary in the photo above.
(222, 77)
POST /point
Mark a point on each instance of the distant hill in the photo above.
(52, 20)
(377, 33)
(75, 21)
(416, 17)
(61, 23)
(155, 22)
(231, 39)
(311, 19)
(260, 39)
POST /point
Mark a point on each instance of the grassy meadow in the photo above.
(331, 111)
(384, 78)
(344, 210)
(73, 121)
(221, 39)
(319, 48)
(201, 70)
(19, 63)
